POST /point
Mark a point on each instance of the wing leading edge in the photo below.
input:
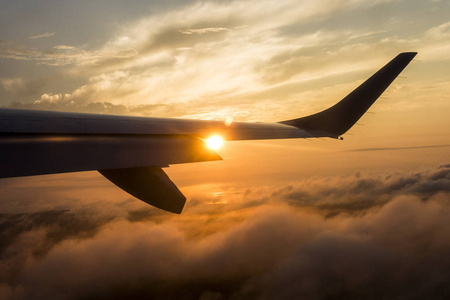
(130, 151)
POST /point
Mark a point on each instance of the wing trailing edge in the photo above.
(339, 118)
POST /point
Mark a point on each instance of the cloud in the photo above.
(12, 84)
(44, 35)
(204, 30)
(440, 32)
(437, 45)
(64, 47)
(358, 193)
(20, 88)
(61, 56)
(267, 245)
(242, 55)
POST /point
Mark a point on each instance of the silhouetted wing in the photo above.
(130, 151)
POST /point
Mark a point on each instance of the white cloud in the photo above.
(44, 35)
(64, 47)
(12, 84)
(204, 30)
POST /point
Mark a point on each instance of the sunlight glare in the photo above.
(214, 142)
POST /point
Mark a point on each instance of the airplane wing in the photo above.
(131, 151)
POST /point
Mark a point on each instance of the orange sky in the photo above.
(276, 219)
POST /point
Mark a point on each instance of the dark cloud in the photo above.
(364, 236)
(33, 235)
(358, 193)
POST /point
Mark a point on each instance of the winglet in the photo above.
(339, 118)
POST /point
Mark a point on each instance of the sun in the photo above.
(214, 142)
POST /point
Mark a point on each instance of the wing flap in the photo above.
(149, 184)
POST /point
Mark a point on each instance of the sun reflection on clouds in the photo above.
(217, 198)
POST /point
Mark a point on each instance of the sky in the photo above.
(366, 217)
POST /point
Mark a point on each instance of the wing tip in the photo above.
(339, 118)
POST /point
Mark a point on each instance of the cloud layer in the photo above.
(250, 52)
(385, 236)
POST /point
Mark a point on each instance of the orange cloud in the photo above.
(274, 244)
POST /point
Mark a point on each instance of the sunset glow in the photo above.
(318, 218)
